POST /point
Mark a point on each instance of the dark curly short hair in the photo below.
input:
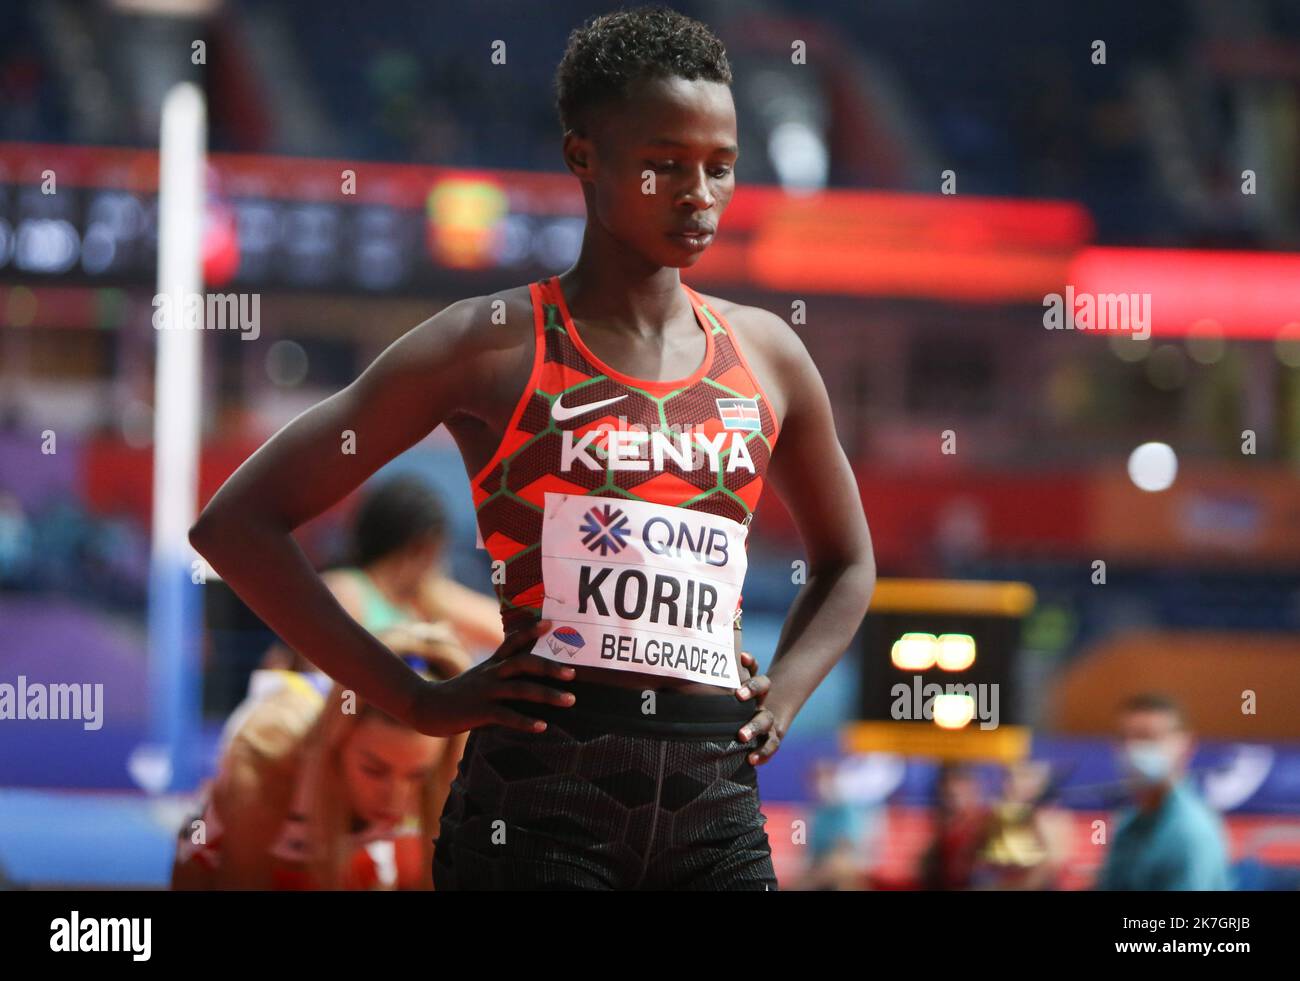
(393, 515)
(610, 51)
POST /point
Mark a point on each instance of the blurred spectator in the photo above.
(1028, 841)
(962, 823)
(15, 540)
(843, 829)
(1170, 839)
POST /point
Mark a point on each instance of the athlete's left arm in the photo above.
(811, 474)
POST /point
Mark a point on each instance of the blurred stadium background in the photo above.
(923, 311)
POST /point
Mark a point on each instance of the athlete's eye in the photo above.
(658, 165)
(718, 173)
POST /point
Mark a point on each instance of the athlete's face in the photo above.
(660, 167)
(384, 766)
(416, 561)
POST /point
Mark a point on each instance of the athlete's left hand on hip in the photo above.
(764, 722)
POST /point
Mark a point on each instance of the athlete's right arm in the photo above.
(245, 531)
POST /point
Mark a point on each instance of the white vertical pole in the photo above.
(175, 609)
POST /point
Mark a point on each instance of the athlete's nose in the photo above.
(696, 193)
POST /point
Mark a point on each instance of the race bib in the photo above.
(636, 586)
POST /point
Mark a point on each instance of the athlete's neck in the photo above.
(631, 298)
(392, 577)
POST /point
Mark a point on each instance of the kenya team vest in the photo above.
(618, 507)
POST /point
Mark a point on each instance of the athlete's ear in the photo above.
(579, 154)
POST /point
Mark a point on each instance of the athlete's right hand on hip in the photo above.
(474, 698)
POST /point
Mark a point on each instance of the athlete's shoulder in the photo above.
(473, 331)
(513, 299)
(758, 329)
(489, 321)
(483, 346)
(771, 346)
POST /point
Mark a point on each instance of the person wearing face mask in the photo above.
(1170, 839)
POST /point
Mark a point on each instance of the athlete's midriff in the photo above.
(630, 500)
(633, 679)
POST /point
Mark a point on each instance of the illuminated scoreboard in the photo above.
(87, 216)
(939, 670)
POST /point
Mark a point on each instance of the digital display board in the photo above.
(89, 215)
(938, 670)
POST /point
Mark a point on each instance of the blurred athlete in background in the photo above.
(394, 585)
(318, 792)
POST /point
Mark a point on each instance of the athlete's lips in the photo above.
(695, 236)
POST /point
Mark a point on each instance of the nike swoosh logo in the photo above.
(562, 412)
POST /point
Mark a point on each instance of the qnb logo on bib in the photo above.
(604, 528)
(637, 586)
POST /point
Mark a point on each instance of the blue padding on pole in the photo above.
(175, 674)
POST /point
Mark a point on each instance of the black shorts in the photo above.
(608, 797)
